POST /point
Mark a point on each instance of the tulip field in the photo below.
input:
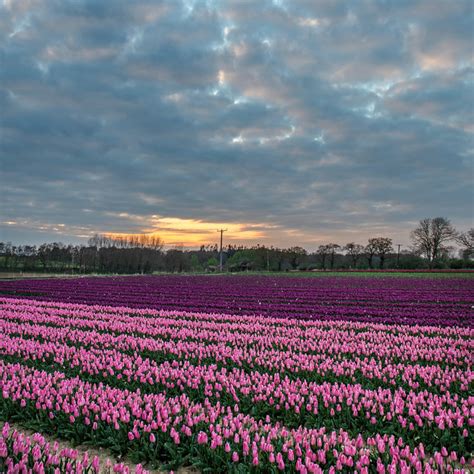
(239, 374)
(428, 301)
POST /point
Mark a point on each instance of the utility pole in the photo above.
(220, 260)
(398, 255)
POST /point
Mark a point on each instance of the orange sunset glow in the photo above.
(194, 232)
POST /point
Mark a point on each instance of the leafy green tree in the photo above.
(242, 260)
(212, 263)
(194, 262)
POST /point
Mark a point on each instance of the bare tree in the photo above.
(466, 240)
(297, 256)
(430, 237)
(381, 246)
(100, 241)
(332, 252)
(354, 251)
(369, 251)
(323, 252)
(43, 255)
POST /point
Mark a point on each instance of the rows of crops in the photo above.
(240, 393)
(447, 302)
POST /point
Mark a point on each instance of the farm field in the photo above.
(440, 301)
(242, 373)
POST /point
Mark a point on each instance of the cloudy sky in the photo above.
(286, 122)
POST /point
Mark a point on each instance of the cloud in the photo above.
(309, 120)
(195, 232)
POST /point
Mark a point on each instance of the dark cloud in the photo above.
(305, 119)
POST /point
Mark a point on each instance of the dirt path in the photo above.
(102, 453)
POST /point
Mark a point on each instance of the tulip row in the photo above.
(209, 435)
(115, 356)
(20, 453)
(290, 401)
(348, 364)
(412, 344)
(386, 300)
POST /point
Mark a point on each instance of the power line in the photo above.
(220, 260)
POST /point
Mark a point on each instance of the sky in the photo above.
(284, 122)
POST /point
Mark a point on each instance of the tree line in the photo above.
(431, 248)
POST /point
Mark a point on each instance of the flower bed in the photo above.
(239, 393)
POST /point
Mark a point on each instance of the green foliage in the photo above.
(195, 264)
(242, 260)
(212, 262)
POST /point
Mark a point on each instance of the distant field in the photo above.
(373, 273)
(445, 301)
(25, 275)
(303, 274)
